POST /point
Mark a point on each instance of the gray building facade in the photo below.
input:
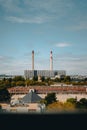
(29, 74)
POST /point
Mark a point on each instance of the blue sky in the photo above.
(42, 26)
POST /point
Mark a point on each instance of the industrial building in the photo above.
(29, 74)
(62, 92)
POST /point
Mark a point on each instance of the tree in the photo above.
(50, 98)
(20, 83)
(57, 80)
(35, 78)
(72, 100)
(13, 83)
(85, 79)
(7, 83)
(4, 95)
(67, 79)
(43, 78)
(83, 102)
(18, 78)
(0, 108)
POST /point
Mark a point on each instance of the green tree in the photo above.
(72, 100)
(43, 78)
(83, 102)
(20, 83)
(13, 83)
(4, 95)
(67, 79)
(57, 80)
(18, 78)
(50, 98)
(35, 78)
(7, 83)
(0, 108)
(85, 79)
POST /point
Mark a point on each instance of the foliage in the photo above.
(18, 78)
(67, 79)
(82, 103)
(60, 107)
(71, 105)
(4, 95)
(0, 106)
(35, 78)
(43, 101)
(20, 83)
(72, 100)
(50, 98)
(13, 83)
(43, 78)
(57, 80)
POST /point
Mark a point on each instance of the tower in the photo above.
(33, 60)
(51, 61)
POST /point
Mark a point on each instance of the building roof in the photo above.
(31, 97)
(48, 89)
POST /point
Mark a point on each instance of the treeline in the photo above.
(20, 81)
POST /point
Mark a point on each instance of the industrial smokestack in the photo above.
(51, 61)
(32, 60)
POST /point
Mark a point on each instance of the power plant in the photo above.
(29, 74)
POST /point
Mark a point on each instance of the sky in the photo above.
(42, 26)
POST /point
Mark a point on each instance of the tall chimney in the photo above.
(51, 61)
(33, 60)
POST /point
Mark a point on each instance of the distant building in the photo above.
(29, 74)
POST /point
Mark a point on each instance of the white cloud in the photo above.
(26, 11)
(37, 20)
(62, 45)
(39, 11)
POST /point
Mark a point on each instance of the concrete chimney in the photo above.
(51, 61)
(32, 60)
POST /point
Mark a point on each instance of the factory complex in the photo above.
(29, 74)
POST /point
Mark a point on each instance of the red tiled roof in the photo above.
(44, 89)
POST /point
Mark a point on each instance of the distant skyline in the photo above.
(42, 26)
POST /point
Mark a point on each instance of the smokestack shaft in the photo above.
(51, 61)
(32, 60)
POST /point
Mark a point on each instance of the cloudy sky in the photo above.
(42, 26)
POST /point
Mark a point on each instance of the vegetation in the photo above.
(20, 81)
(0, 108)
(72, 100)
(50, 98)
(82, 103)
(57, 107)
(71, 105)
(4, 95)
